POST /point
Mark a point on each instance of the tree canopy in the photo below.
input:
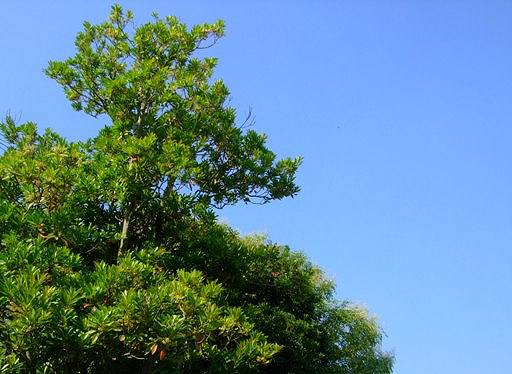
(111, 257)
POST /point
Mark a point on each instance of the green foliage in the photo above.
(57, 316)
(289, 300)
(111, 258)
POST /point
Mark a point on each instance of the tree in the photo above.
(111, 257)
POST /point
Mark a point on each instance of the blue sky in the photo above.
(402, 112)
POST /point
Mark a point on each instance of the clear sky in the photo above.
(402, 112)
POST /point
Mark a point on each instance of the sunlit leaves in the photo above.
(111, 258)
(148, 81)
